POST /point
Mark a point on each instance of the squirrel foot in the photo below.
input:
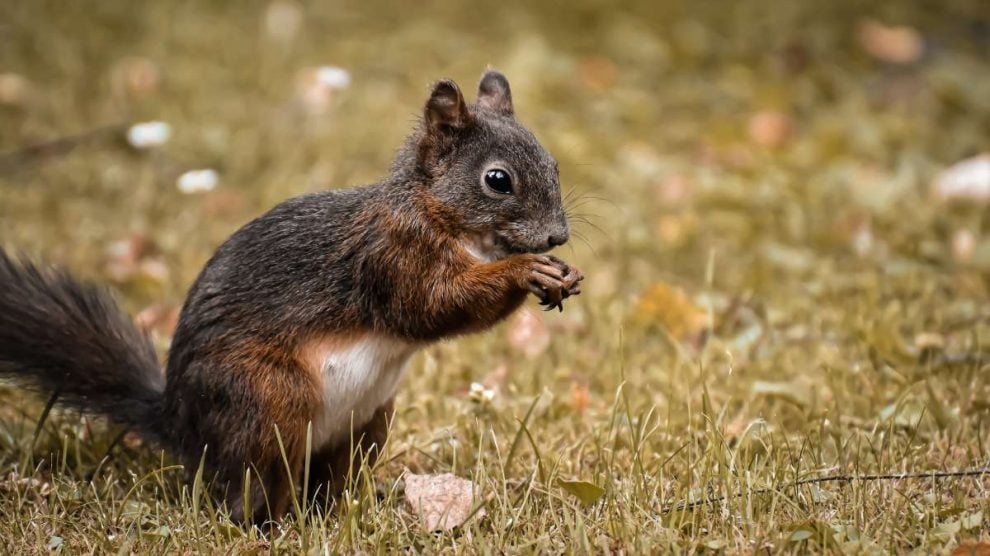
(552, 280)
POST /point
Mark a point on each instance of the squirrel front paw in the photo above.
(552, 280)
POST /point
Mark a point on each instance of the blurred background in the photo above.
(786, 202)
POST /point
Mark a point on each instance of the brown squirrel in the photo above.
(306, 316)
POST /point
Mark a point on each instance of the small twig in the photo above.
(11, 160)
(682, 506)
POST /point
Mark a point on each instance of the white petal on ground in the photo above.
(149, 134)
(968, 179)
(198, 181)
(333, 77)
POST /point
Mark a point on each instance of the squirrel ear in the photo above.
(494, 92)
(446, 107)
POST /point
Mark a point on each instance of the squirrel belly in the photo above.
(355, 376)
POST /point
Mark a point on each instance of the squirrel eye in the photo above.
(498, 180)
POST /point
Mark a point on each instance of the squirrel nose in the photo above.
(557, 239)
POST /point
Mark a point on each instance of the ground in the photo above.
(780, 284)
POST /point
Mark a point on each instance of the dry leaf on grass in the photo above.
(588, 493)
(598, 73)
(580, 396)
(770, 128)
(672, 308)
(442, 502)
(15, 90)
(972, 548)
(890, 43)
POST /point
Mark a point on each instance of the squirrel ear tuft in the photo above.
(446, 108)
(494, 92)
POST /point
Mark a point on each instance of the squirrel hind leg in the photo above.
(253, 424)
(333, 466)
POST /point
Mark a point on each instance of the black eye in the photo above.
(498, 180)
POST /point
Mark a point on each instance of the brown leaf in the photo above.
(442, 502)
(15, 90)
(770, 128)
(598, 73)
(672, 308)
(580, 396)
(675, 190)
(891, 44)
(972, 548)
(528, 333)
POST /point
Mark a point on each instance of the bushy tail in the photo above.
(60, 336)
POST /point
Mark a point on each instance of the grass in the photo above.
(761, 307)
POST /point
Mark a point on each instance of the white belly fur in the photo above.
(356, 378)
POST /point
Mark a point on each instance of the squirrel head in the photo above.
(493, 183)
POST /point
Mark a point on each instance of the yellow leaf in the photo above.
(587, 493)
(670, 307)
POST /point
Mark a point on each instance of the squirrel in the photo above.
(300, 325)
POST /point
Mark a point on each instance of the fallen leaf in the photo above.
(580, 396)
(442, 502)
(598, 73)
(587, 493)
(890, 43)
(770, 128)
(528, 333)
(972, 548)
(15, 89)
(675, 190)
(800, 535)
(675, 229)
(674, 310)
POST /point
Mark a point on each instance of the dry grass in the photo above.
(761, 307)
